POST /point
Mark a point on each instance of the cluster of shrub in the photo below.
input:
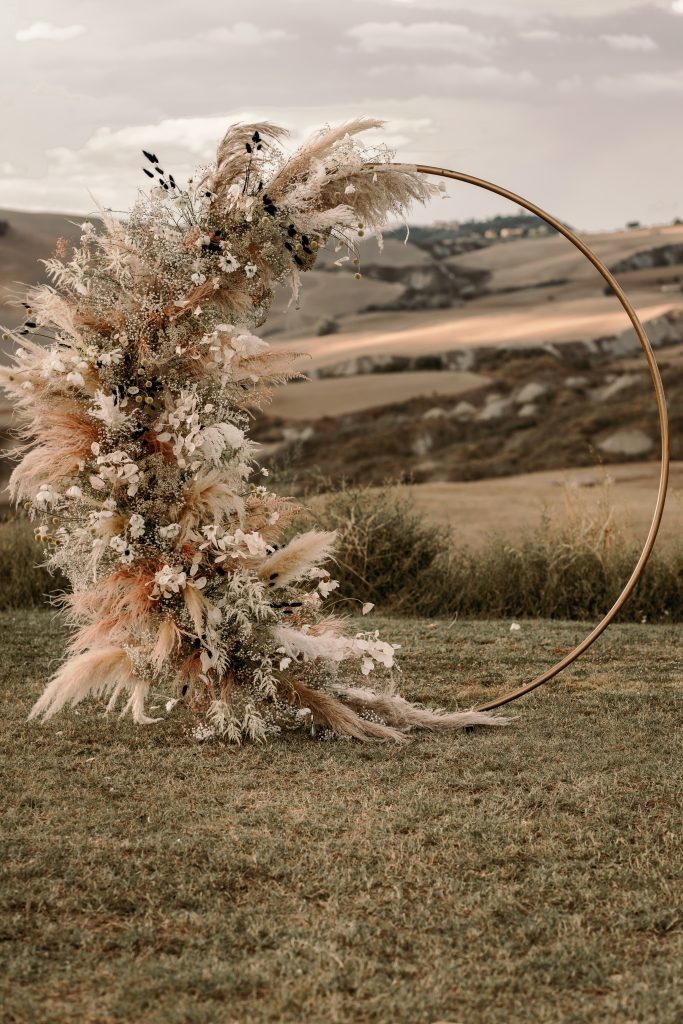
(405, 564)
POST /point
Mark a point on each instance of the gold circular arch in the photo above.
(443, 172)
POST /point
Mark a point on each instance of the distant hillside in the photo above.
(27, 238)
(440, 267)
(467, 234)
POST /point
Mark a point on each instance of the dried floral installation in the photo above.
(135, 408)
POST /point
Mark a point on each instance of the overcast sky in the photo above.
(575, 104)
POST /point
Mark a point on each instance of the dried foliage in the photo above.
(134, 377)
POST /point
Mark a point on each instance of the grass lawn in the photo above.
(527, 874)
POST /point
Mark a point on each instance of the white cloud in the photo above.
(540, 35)
(45, 30)
(642, 84)
(373, 36)
(641, 44)
(245, 33)
(521, 9)
(484, 78)
(105, 169)
(568, 86)
(677, 6)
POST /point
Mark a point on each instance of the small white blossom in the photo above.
(170, 531)
(250, 269)
(168, 581)
(46, 495)
(327, 586)
(249, 345)
(228, 263)
(136, 525)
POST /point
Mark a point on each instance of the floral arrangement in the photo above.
(135, 376)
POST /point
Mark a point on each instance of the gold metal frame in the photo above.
(550, 673)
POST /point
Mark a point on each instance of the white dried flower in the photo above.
(170, 531)
(136, 525)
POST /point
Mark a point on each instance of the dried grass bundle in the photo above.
(139, 469)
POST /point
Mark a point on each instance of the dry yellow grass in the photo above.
(533, 322)
(536, 260)
(511, 505)
(341, 395)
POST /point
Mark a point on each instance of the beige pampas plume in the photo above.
(168, 640)
(340, 718)
(399, 712)
(209, 497)
(96, 672)
(236, 152)
(303, 162)
(293, 561)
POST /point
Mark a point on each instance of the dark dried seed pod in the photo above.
(148, 173)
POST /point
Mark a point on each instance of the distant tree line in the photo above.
(521, 224)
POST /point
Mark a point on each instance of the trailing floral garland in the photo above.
(135, 407)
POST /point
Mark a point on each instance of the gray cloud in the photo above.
(377, 36)
(632, 44)
(45, 31)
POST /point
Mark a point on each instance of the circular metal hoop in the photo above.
(443, 172)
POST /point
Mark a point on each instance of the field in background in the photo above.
(513, 505)
(462, 358)
(526, 874)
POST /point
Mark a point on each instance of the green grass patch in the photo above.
(24, 582)
(532, 874)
